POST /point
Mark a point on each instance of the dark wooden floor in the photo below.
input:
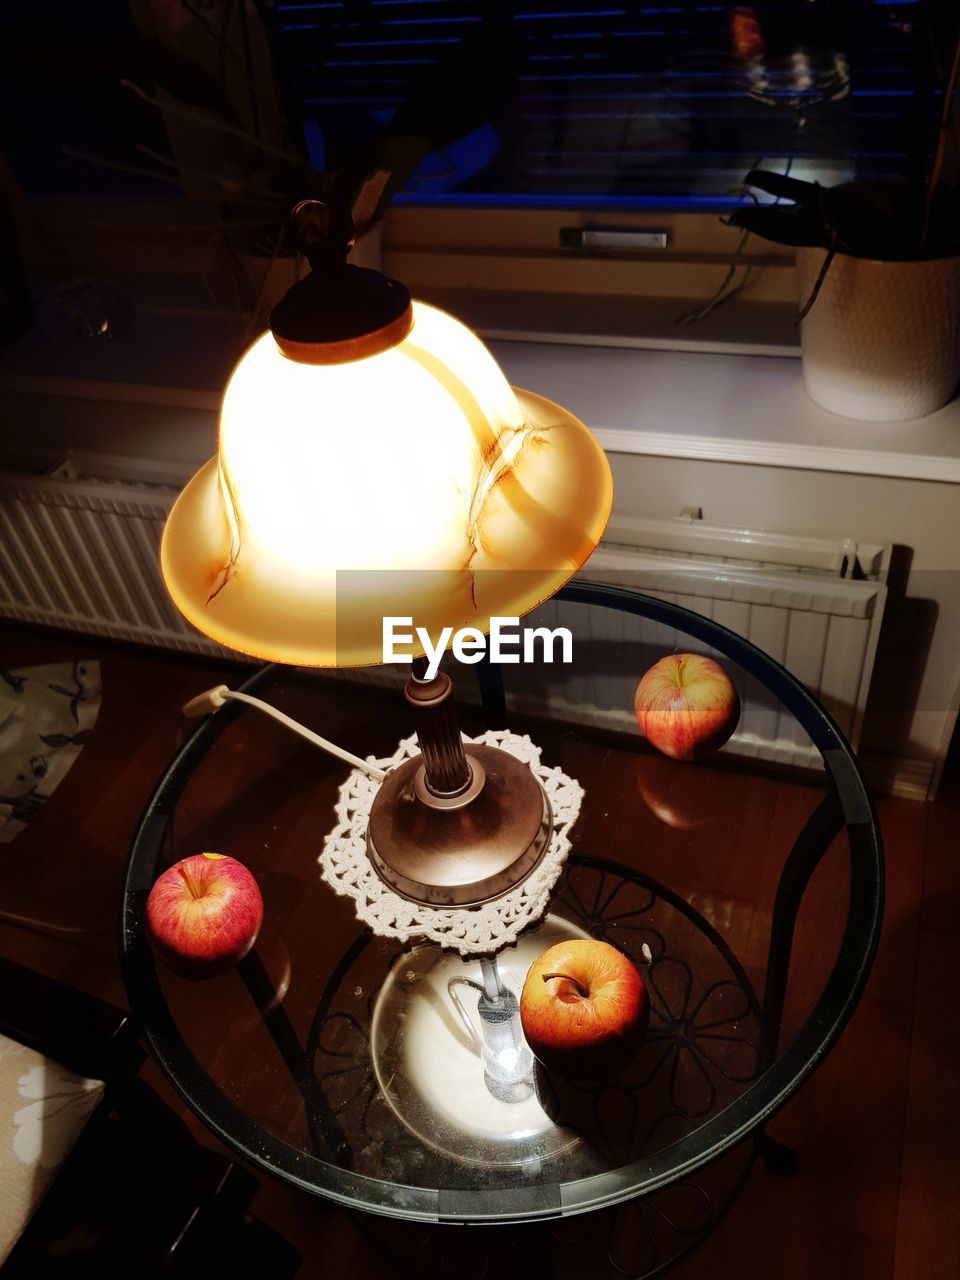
(878, 1127)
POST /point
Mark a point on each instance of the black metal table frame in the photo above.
(848, 804)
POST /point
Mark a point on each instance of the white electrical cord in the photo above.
(213, 699)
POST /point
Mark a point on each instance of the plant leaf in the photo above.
(784, 187)
(783, 224)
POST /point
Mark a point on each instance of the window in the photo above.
(635, 113)
(613, 104)
(631, 114)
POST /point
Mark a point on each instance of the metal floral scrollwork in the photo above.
(701, 1051)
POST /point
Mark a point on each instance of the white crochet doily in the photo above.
(469, 930)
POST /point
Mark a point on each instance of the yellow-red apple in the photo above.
(584, 1009)
(686, 706)
(204, 914)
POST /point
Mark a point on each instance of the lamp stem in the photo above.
(441, 745)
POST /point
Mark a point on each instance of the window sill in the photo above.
(742, 408)
(623, 321)
(707, 403)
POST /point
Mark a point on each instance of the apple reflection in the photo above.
(680, 798)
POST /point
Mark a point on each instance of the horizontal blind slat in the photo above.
(655, 72)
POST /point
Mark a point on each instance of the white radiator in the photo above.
(80, 553)
(814, 604)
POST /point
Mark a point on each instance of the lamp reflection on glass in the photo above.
(374, 462)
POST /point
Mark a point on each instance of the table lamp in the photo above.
(374, 462)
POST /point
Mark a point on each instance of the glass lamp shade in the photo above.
(411, 483)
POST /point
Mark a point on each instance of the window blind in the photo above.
(618, 102)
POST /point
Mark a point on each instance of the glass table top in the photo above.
(747, 889)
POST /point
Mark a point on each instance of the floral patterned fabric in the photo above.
(46, 714)
(43, 1109)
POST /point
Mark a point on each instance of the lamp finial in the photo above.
(339, 312)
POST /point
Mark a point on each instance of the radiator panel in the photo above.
(85, 557)
(82, 554)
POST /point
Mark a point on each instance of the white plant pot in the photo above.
(882, 340)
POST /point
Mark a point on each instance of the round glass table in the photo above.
(746, 888)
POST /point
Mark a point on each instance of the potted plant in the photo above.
(878, 270)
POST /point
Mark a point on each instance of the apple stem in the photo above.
(189, 880)
(581, 990)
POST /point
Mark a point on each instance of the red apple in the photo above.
(204, 914)
(686, 706)
(584, 1009)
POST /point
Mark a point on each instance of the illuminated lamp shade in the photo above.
(409, 482)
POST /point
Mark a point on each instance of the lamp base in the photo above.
(462, 850)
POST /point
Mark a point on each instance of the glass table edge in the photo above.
(765, 1095)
